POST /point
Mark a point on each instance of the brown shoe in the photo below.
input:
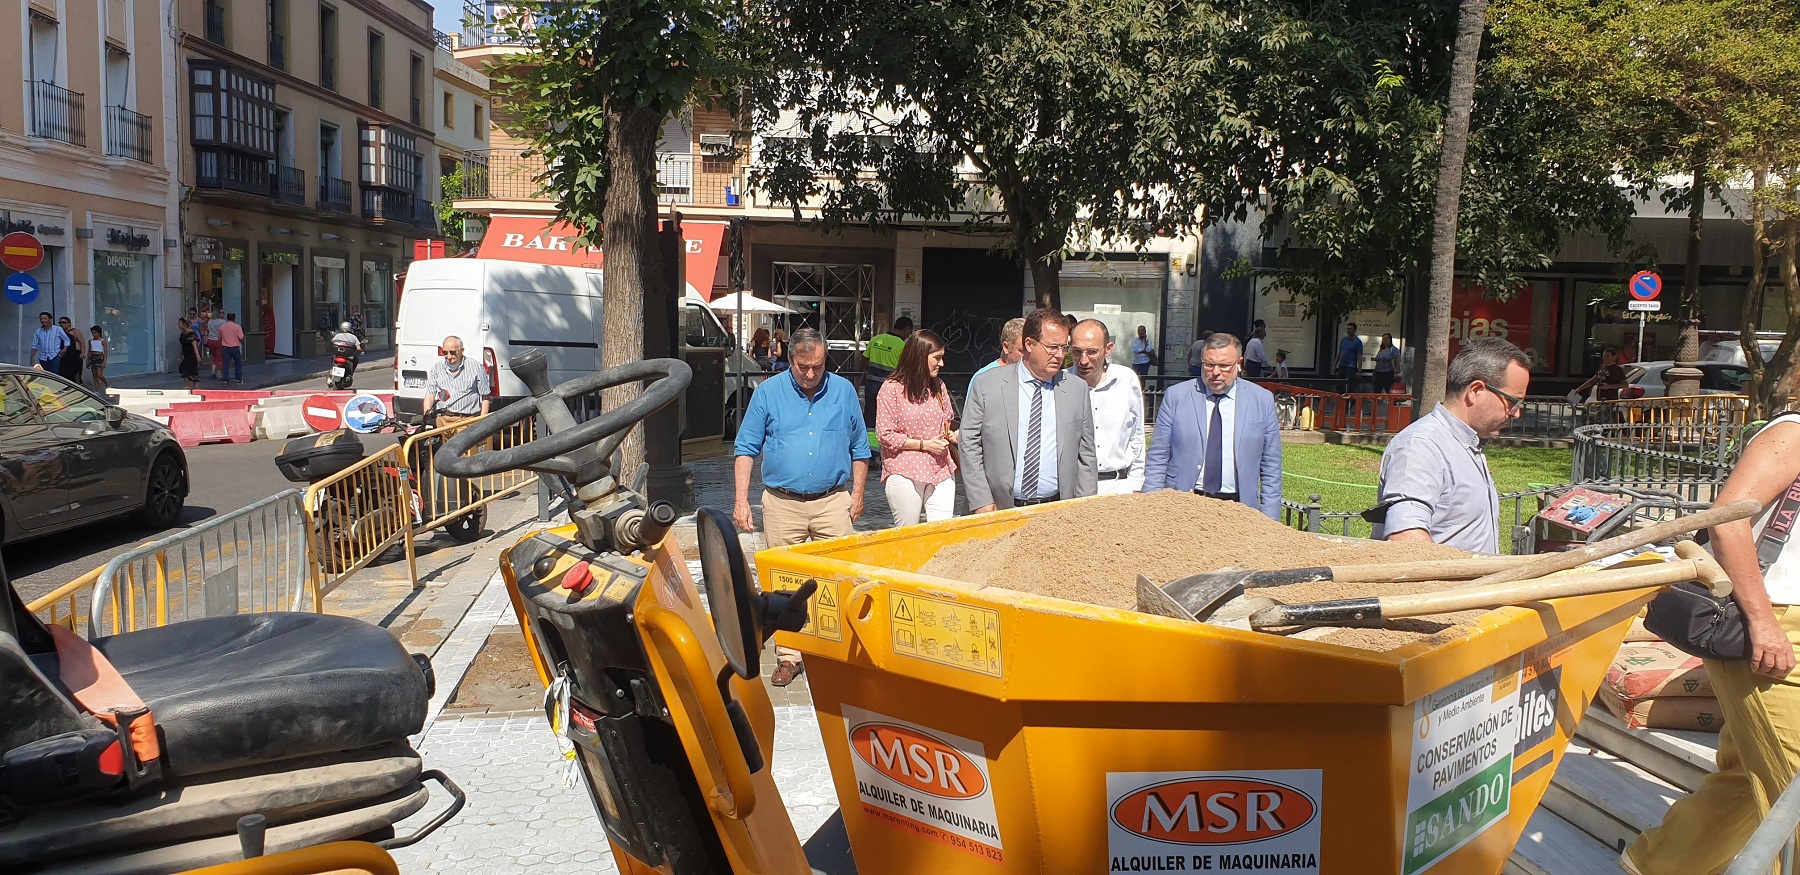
(785, 672)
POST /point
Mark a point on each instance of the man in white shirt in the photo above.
(1256, 361)
(1117, 398)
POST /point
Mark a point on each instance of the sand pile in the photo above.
(1092, 552)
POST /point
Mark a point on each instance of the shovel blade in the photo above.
(1202, 595)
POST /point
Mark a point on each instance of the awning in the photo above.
(538, 241)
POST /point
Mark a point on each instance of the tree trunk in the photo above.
(1751, 316)
(1684, 379)
(1782, 376)
(628, 221)
(1471, 20)
(1046, 261)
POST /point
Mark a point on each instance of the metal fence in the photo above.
(251, 560)
(66, 606)
(441, 500)
(1697, 410)
(355, 515)
(1691, 461)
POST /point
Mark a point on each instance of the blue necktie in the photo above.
(1215, 449)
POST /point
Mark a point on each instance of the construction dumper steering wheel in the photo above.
(579, 452)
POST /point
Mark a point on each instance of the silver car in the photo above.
(1715, 378)
(69, 458)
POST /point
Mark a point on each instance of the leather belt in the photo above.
(791, 495)
(1115, 475)
(1027, 502)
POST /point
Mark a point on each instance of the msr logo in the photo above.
(1214, 810)
(918, 761)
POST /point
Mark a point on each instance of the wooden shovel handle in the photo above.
(1500, 595)
(1427, 569)
(1550, 563)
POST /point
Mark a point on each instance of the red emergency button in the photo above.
(578, 578)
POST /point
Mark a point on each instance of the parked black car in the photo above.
(69, 458)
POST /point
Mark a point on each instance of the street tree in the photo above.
(1093, 121)
(591, 90)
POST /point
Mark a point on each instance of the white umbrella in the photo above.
(746, 302)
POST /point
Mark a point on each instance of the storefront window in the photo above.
(125, 308)
(1527, 317)
(19, 322)
(328, 293)
(377, 292)
(1122, 294)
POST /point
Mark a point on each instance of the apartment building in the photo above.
(308, 160)
(461, 103)
(88, 162)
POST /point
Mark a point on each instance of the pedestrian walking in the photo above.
(1281, 366)
(814, 444)
(1387, 363)
(915, 422)
(1759, 697)
(1011, 345)
(1608, 382)
(1116, 397)
(1349, 358)
(1256, 361)
(215, 347)
(72, 358)
(1027, 431)
(457, 390)
(231, 346)
(96, 358)
(189, 342)
(778, 351)
(880, 357)
(1434, 483)
(1142, 351)
(47, 344)
(1219, 436)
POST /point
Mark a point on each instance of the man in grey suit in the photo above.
(1027, 432)
(1218, 435)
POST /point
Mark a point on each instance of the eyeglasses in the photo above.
(1211, 366)
(452, 353)
(1054, 348)
(1087, 353)
(1513, 402)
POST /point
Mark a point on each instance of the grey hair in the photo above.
(1013, 330)
(1485, 360)
(1105, 332)
(806, 338)
(1223, 340)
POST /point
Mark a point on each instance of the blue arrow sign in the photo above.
(1645, 285)
(21, 288)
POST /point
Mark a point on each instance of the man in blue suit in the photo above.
(1218, 435)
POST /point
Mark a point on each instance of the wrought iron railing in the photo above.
(334, 194)
(443, 39)
(215, 23)
(58, 114)
(127, 134)
(394, 205)
(290, 185)
(278, 50)
(514, 174)
(233, 171)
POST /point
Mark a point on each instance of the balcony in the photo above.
(388, 205)
(446, 40)
(215, 23)
(290, 185)
(233, 171)
(127, 134)
(58, 114)
(334, 195)
(278, 50)
(511, 174)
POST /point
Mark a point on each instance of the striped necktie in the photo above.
(1034, 443)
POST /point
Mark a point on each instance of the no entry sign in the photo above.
(321, 412)
(21, 251)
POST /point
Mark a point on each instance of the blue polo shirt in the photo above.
(806, 442)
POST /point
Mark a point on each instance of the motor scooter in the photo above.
(343, 366)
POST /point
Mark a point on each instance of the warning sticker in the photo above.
(822, 615)
(933, 783)
(1252, 820)
(945, 632)
(1460, 771)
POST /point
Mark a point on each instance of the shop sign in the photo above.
(281, 258)
(10, 225)
(234, 253)
(925, 780)
(206, 250)
(127, 238)
(328, 261)
(1473, 315)
(117, 259)
(1266, 820)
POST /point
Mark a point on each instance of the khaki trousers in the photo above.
(1759, 751)
(787, 522)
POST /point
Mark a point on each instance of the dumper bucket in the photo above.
(978, 729)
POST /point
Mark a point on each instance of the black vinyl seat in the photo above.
(229, 692)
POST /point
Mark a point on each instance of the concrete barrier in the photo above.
(204, 422)
(279, 418)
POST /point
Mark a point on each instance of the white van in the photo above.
(502, 308)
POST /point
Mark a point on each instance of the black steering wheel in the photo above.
(577, 451)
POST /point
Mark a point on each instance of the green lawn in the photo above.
(1344, 476)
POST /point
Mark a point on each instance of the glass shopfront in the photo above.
(1123, 294)
(19, 322)
(125, 308)
(377, 293)
(328, 294)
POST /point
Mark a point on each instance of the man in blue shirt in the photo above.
(1011, 345)
(808, 428)
(47, 344)
(1349, 357)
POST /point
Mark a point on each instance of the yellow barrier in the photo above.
(1688, 410)
(436, 509)
(64, 606)
(354, 516)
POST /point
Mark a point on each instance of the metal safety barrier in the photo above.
(1691, 461)
(1683, 410)
(1772, 842)
(355, 515)
(441, 500)
(65, 606)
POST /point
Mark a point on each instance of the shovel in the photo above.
(1202, 594)
(1263, 613)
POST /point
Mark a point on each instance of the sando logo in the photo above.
(917, 760)
(1214, 810)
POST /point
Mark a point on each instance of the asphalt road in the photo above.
(223, 478)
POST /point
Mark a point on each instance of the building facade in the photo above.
(461, 105)
(307, 160)
(88, 156)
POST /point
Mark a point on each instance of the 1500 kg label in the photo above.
(931, 782)
(822, 616)
(1244, 821)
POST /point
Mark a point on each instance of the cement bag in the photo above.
(1670, 712)
(1637, 633)
(1649, 670)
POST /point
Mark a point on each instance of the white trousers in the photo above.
(1121, 485)
(908, 500)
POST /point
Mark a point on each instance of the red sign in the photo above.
(1214, 810)
(918, 761)
(1523, 318)
(522, 238)
(321, 413)
(21, 251)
